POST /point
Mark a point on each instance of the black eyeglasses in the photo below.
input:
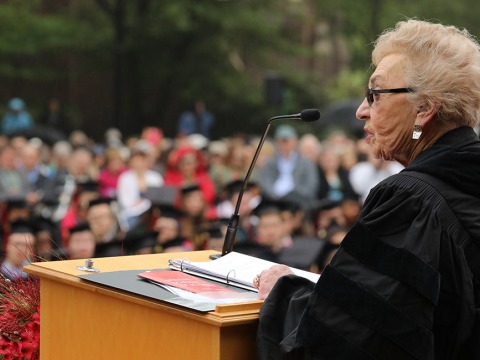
(369, 92)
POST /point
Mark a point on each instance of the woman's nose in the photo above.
(363, 111)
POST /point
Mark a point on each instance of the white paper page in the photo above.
(245, 268)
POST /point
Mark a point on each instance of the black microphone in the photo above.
(307, 115)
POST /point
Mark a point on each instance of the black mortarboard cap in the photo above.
(21, 227)
(99, 201)
(83, 226)
(14, 202)
(236, 185)
(87, 185)
(140, 240)
(112, 248)
(215, 232)
(267, 205)
(178, 241)
(170, 211)
(326, 204)
(233, 187)
(221, 221)
(189, 188)
(280, 204)
(41, 223)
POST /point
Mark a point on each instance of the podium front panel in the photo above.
(84, 321)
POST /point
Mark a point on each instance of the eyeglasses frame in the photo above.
(369, 92)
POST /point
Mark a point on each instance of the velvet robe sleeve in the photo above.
(398, 288)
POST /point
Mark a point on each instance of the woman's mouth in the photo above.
(369, 135)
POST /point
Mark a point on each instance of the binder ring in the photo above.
(234, 274)
(187, 260)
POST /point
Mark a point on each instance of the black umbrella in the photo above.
(342, 115)
(47, 134)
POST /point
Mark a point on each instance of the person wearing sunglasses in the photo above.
(405, 282)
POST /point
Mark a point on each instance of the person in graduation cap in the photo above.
(215, 237)
(12, 209)
(168, 228)
(196, 212)
(81, 244)
(140, 242)
(405, 281)
(250, 200)
(48, 242)
(16, 208)
(85, 191)
(269, 239)
(103, 222)
(19, 250)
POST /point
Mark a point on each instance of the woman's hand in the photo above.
(265, 281)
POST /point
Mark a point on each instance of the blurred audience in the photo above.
(90, 199)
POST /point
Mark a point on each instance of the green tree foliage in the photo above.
(180, 50)
(360, 23)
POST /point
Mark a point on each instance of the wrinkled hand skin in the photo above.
(269, 277)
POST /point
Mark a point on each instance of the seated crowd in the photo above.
(78, 199)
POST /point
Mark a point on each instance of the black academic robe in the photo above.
(405, 283)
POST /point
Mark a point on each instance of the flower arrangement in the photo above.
(19, 318)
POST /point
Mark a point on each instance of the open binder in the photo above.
(234, 269)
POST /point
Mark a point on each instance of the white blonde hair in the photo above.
(442, 66)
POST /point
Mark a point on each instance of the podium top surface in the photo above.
(66, 272)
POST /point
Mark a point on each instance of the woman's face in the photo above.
(193, 203)
(139, 162)
(389, 120)
(115, 164)
(187, 164)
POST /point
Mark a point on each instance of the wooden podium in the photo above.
(83, 320)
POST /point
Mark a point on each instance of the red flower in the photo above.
(19, 319)
(27, 349)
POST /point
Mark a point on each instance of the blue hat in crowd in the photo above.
(16, 104)
(285, 132)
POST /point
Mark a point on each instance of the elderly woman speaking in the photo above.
(405, 283)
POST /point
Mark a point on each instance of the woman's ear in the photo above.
(426, 114)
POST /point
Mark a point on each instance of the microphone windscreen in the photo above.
(309, 115)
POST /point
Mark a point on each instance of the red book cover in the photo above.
(184, 281)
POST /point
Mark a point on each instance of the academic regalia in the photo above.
(113, 245)
(8, 267)
(87, 248)
(140, 242)
(112, 248)
(405, 283)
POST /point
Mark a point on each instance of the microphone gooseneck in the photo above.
(307, 115)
